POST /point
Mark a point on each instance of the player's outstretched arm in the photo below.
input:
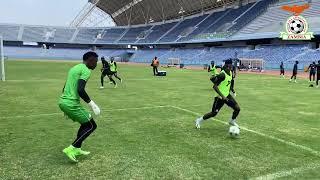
(83, 94)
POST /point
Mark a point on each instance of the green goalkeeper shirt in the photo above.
(70, 91)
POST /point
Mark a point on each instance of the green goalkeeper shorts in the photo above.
(75, 112)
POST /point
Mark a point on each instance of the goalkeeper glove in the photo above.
(94, 107)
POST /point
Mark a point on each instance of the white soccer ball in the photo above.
(234, 131)
(296, 26)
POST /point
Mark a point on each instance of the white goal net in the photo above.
(173, 61)
(252, 64)
(2, 69)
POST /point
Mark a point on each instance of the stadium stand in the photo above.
(133, 33)
(111, 35)
(203, 25)
(157, 32)
(226, 20)
(272, 54)
(176, 32)
(309, 56)
(87, 35)
(34, 33)
(55, 53)
(146, 56)
(252, 13)
(62, 35)
(9, 32)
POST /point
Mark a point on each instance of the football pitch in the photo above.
(146, 129)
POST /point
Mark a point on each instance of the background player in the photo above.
(318, 74)
(212, 69)
(114, 71)
(312, 74)
(105, 71)
(69, 103)
(222, 86)
(295, 72)
(282, 70)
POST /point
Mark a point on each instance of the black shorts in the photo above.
(218, 103)
(106, 72)
(313, 73)
(294, 73)
(212, 77)
(282, 71)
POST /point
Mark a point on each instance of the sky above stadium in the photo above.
(40, 12)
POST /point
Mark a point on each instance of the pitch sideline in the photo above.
(287, 173)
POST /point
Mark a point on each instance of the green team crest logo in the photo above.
(296, 29)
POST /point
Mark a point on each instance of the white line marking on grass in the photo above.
(287, 173)
(60, 80)
(314, 152)
(32, 115)
(106, 110)
(139, 79)
(34, 80)
(307, 113)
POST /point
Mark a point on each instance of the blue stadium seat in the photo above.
(111, 35)
(132, 35)
(9, 32)
(187, 23)
(157, 31)
(87, 35)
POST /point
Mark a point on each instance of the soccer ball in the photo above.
(296, 26)
(234, 131)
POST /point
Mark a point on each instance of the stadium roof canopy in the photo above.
(133, 12)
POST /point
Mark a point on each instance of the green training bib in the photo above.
(225, 85)
(113, 67)
(213, 70)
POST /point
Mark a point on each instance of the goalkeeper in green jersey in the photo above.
(69, 103)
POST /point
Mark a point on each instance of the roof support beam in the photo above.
(125, 8)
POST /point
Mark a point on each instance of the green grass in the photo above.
(136, 139)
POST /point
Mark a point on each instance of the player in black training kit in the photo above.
(318, 74)
(295, 72)
(312, 67)
(105, 71)
(282, 70)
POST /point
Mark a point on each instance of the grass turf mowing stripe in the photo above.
(288, 172)
(314, 152)
(195, 113)
(51, 114)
